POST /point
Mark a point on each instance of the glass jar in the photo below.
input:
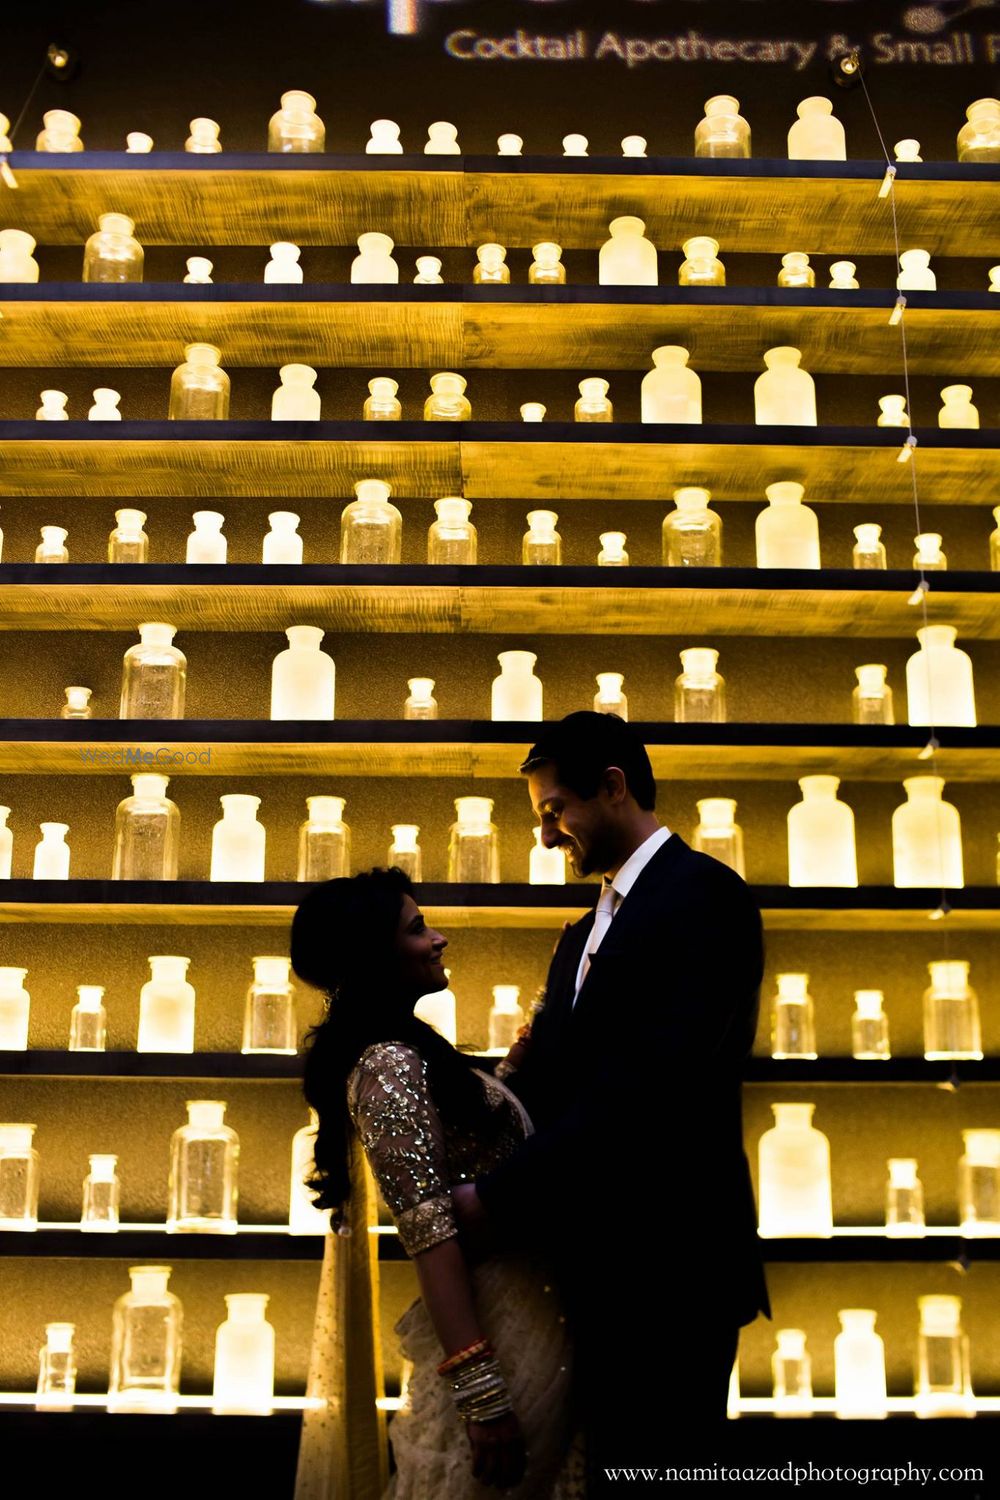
(324, 841)
(53, 407)
(545, 866)
(509, 145)
(295, 400)
(904, 1200)
(951, 1013)
(199, 271)
(785, 395)
(428, 271)
(717, 833)
(17, 262)
(793, 1023)
(61, 133)
(77, 705)
(915, 274)
(128, 542)
(859, 1365)
(166, 1007)
(6, 844)
(154, 676)
(147, 831)
(440, 1010)
(374, 265)
(371, 530)
(447, 401)
(979, 137)
(56, 1369)
(627, 258)
(907, 150)
(609, 698)
(146, 1344)
(19, 1172)
(612, 553)
(699, 691)
(243, 1382)
(869, 1027)
(442, 139)
(517, 692)
(88, 1022)
(872, 698)
(574, 145)
(204, 137)
(113, 253)
(593, 405)
(926, 837)
(296, 126)
(506, 1017)
(491, 267)
(199, 389)
(15, 1006)
(52, 549)
(794, 1176)
(282, 543)
(283, 268)
(791, 1374)
(541, 545)
(787, 532)
(634, 145)
(817, 134)
(670, 392)
(405, 852)
(957, 409)
(206, 544)
(204, 1164)
(929, 557)
(473, 845)
(421, 703)
(101, 1196)
(869, 551)
(382, 404)
(269, 1016)
(238, 840)
(995, 542)
(701, 265)
(943, 1384)
(303, 678)
(532, 411)
(384, 139)
(723, 132)
(51, 860)
(692, 533)
(452, 538)
(303, 1215)
(979, 1183)
(546, 268)
(796, 272)
(939, 682)
(842, 276)
(821, 842)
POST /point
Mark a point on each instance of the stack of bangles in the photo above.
(478, 1388)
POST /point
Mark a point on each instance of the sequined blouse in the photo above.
(414, 1156)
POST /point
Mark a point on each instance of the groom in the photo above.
(636, 1182)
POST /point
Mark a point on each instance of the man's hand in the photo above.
(473, 1220)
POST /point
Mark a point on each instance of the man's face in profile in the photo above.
(580, 826)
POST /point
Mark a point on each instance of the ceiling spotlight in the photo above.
(845, 69)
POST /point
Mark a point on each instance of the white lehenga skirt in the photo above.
(519, 1312)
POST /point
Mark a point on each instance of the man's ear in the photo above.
(615, 785)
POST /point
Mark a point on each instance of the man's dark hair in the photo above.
(582, 747)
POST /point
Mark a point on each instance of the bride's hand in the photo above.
(498, 1453)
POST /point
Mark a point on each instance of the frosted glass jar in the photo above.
(146, 1331)
(929, 557)
(593, 404)
(723, 132)
(796, 272)
(541, 545)
(943, 1384)
(859, 1364)
(51, 860)
(199, 271)
(613, 553)
(545, 866)
(821, 844)
(491, 267)
(199, 389)
(405, 852)
(295, 400)
(869, 1027)
(447, 401)
(56, 1369)
(204, 137)
(77, 705)
(15, 1006)
(634, 145)
(817, 134)
(6, 844)
(88, 1022)
(147, 831)
(442, 139)
(371, 530)
(979, 1183)
(428, 271)
(869, 550)
(907, 150)
(926, 837)
(717, 833)
(785, 395)
(17, 262)
(793, 1019)
(951, 1013)
(452, 538)
(52, 549)
(574, 145)
(282, 544)
(324, 841)
(128, 542)
(383, 139)
(957, 409)
(101, 1197)
(904, 1200)
(166, 1007)
(692, 533)
(303, 1215)
(627, 258)
(509, 144)
(238, 840)
(154, 675)
(269, 1015)
(283, 268)
(794, 1176)
(374, 265)
(995, 542)
(421, 703)
(506, 1017)
(296, 126)
(939, 683)
(382, 403)
(915, 273)
(842, 276)
(791, 1374)
(61, 133)
(243, 1379)
(53, 407)
(787, 532)
(206, 544)
(699, 691)
(517, 692)
(203, 1189)
(303, 678)
(19, 1175)
(670, 391)
(609, 698)
(979, 137)
(546, 268)
(473, 845)
(701, 265)
(113, 253)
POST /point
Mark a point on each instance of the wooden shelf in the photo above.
(551, 462)
(246, 199)
(484, 327)
(849, 1070)
(158, 1246)
(476, 748)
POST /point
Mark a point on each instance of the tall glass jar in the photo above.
(384, 139)
(296, 126)
(452, 538)
(491, 267)
(56, 1369)
(979, 1183)
(113, 253)
(506, 1017)
(794, 1176)
(785, 395)
(128, 542)
(723, 132)
(609, 698)
(53, 407)
(692, 533)
(943, 1384)
(787, 532)
(869, 1027)
(793, 1019)
(51, 861)
(859, 1364)
(701, 265)
(382, 403)
(670, 391)
(892, 412)
(593, 405)
(421, 703)
(303, 1215)
(442, 139)
(979, 137)
(951, 1013)
(929, 557)
(872, 698)
(206, 543)
(627, 258)
(915, 274)
(61, 133)
(404, 851)
(101, 1197)
(371, 530)
(957, 409)
(243, 1383)
(791, 1374)
(52, 548)
(541, 545)
(447, 401)
(146, 1332)
(796, 273)
(19, 1172)
(283, 268)
(166, 1006)
(926, 837)
(324, 841)
(17, 261)
(77, 705)
(613, 553)
(269, 1023)
(199, 389)
(699, 691)
(939, 684)
(88, 1022)
(282, 543)
(295, 400)
(904, 1200)
(817, 134)
(15, 1009)
(517, 692)
(545, 866)
(303, 678)
(373, 265)
(204, 1163)
(821, 841)
(717, 833)
(473, 843)
(546, 268)
(147, 831)
(869, 550)
(238, 840)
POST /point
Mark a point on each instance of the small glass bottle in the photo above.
(6, 844)
(421, 703)
(473, 844)
(509, 144)
(238, 840)
(926, 837)
(717, 833)
(199, 389)
(904, 1200)
(51, 853)
(146, 1334)
(939, 680)
(785, 395)
(371, 530)
(303, 1215)
(994, 275)
(269, 1023)
(440, 1010)
(609, 698)
(382, 403)
(283, 268)
(166, 1006)
(491, 267)
(303, 677)
(943, 1385)
(951, 1013)
(405, 852)
(517, 693)
(692, 533)
(542, 544)
(243, 1382)
(204, 1163)
(593, 404)
(869, 1027)
(105, 407)
(282, 543)
(793, 1021)
(15, 1007)
(452, 538)
(17, 262)
(634, 145)
(532, 411)
(373, 265)
(447, 401)
(979, 1183)
(52, 549)
(154, 676)
(61, 133)
(56, 1369)
(574, 145)
(101, 1196)
(842, 276)
(546, 268)
(821, 839)
(296, 126)
(428, 271)
(113, 253)
(627, 258)
(147, 831)
(907, 150)
(88, 1022)
(699, 691)
(859, 1364)
(787, 532)
(128, 542)
(383, 139)
(77, 705)
(915, 274)
(817, 135)
(701, 265)
(53, 407)
(723, 132)
(206, 544)
(19, 1171)
(957, 409)
(506, 1017)
(199, 271)
(791, 1374)
(545, 866)
(295, 400)
(794, 1175)
(442, 139)
(995, 542)
(869, 551)
(796, 272)
(979, 137)
(204, 137)
(612, 553)
(324, 841)
(871, 700)
(670, 392)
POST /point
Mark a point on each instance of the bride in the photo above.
(489, 1397)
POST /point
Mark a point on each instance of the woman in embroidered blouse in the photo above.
(489, 1397)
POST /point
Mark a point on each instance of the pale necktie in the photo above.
(606, 906)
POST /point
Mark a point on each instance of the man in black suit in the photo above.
(636, 1181)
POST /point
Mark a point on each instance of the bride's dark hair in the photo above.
(344, 942)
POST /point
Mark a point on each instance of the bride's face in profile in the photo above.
(420, 951)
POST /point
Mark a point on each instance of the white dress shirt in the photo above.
(613, 893)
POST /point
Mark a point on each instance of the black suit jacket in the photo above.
(635, 1093)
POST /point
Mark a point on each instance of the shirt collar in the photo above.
(637, 862)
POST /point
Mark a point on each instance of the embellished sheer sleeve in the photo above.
(403, 1139)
